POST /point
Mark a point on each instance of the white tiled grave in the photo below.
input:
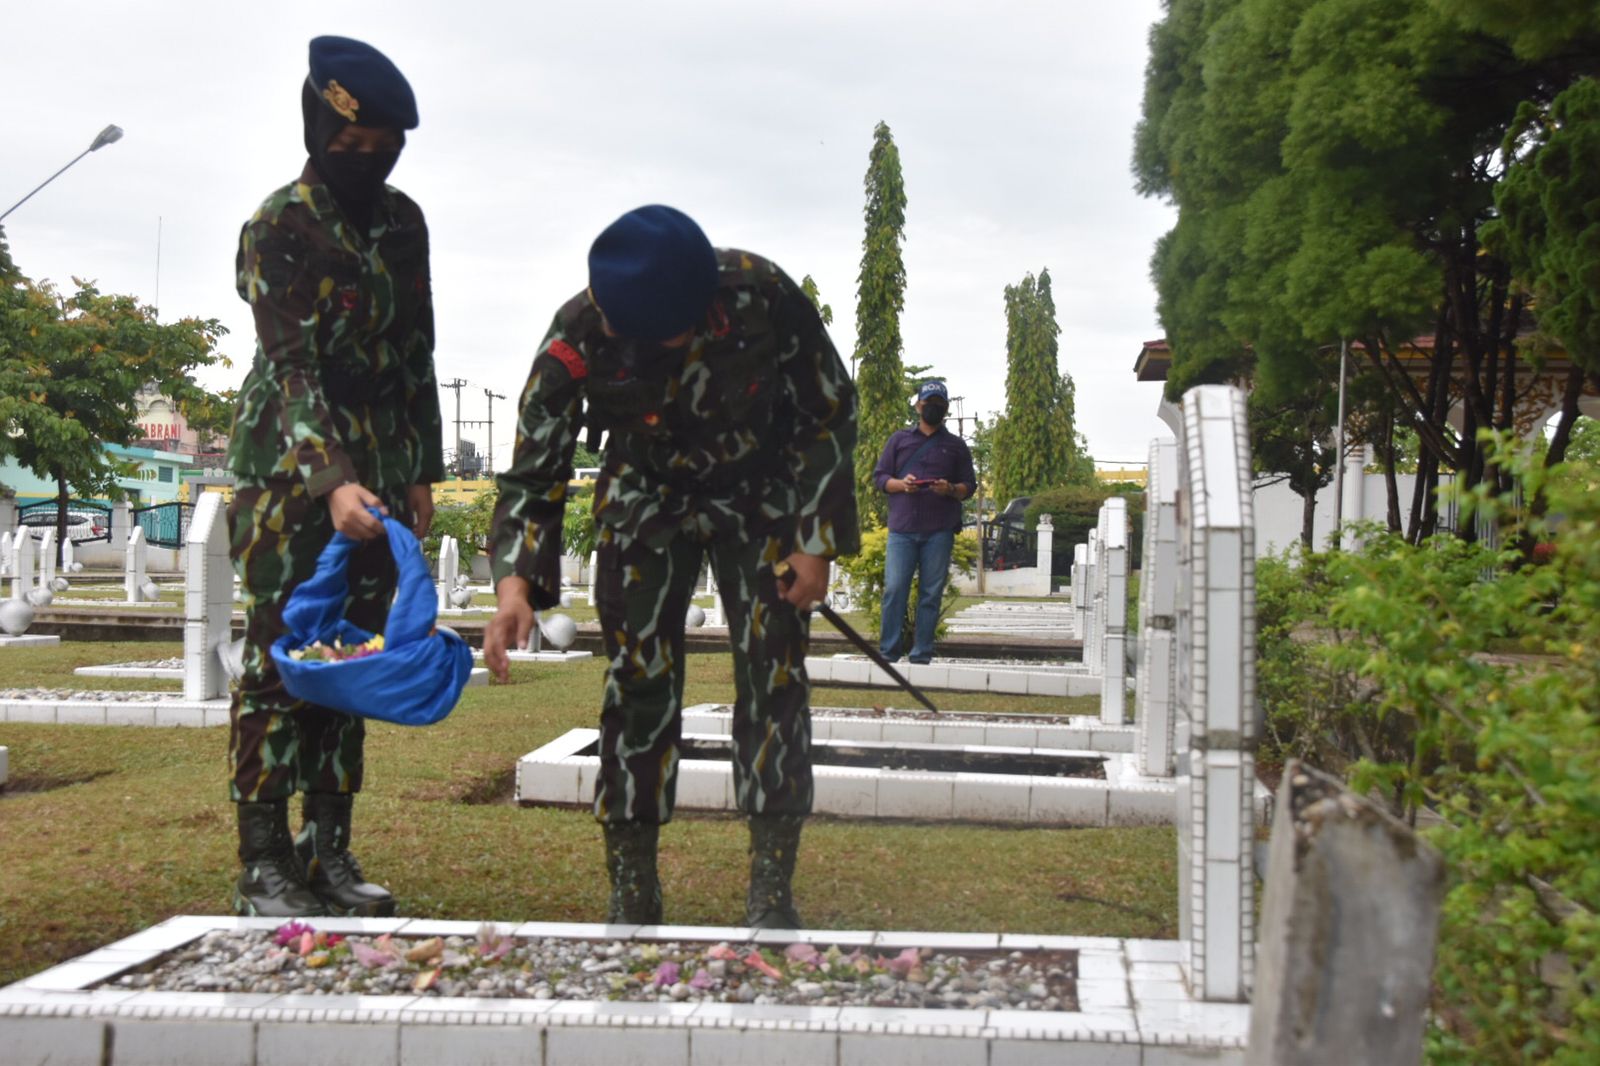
(540, 656)
(1070, 732)
(1012, 678)
(28, 641)
(563, 773)
(159, 669)
(1131, 1012)
(144, 709)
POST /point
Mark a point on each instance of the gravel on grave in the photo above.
(296, 959)
(62, 695)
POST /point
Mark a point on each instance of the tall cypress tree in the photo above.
(880, 297)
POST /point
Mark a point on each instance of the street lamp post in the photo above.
(109, 135)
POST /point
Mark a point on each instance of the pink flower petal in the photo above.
(756, 962)
(800, 953)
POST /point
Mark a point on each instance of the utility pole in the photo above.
(457, 385)
(489, 458)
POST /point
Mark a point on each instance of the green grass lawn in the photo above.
(105, 831)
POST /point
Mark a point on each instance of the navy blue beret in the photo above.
(361, 84)
(653, 273)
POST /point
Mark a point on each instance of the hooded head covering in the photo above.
(351, 83)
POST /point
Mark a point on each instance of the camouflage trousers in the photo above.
(276, 743)
(642, 595)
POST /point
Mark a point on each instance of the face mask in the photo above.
(934, 410)
(356, 176)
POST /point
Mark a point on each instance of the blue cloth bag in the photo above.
(418, 676)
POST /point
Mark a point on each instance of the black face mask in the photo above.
(934, 410)
(355, 178)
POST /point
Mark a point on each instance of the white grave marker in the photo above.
(47, 558)
(1080, 595)
(1091, 624)
(24, 551)
(1114, 671)
(208, 606)
(1216, 694)
(1153, 689)
(449, 569)
(6, 551)
(134, 564)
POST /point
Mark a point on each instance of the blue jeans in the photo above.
(928, 556)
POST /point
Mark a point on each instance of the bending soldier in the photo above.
(729, 425)
(340, 412)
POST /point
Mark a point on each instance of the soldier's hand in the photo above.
(420, 497)
(810, 584)
(510, 627)
(348, 505)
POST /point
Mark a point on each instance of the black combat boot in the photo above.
(774, 843)
(331, 871)
(273, 884)
(631, 865)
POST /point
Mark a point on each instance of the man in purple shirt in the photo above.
(926, 471)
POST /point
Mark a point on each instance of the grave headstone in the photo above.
(1114, 628)
(134, 563)
(8, 514)
(1216, 694)
(24, 552)
(1080, 595)
(1045, 563)
(5, 553)
(68, 552)
(1153, 688)
(208, 596)
(1348, 922)
(449, 569)
(121, 525)
(47, 558)
(715, 616)
(1091, 623)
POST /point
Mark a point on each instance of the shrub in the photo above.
(866, 568)
(1075, 509)
(1466, 679)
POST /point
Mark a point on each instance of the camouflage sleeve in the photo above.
(422, 388)
(282, 287)
(822, 436)
(526, 538)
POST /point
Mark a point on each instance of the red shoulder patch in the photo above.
(569, 357)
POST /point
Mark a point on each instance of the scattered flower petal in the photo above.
(667, 974)
(801, 953)
(426, 950)
(721, 951)
(425, 980)
(289, 933)
(756, 962)
(701, 980)
(371, 957)
(317, 959)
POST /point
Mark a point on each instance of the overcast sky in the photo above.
(543, 122)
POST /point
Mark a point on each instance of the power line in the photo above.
(458, 384)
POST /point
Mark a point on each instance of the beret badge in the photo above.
(340, 100)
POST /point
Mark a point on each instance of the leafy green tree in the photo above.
(814, 294)
(1334, 165)
(1550, 230)
(71, 372)
(880, 297)
(1036, 444)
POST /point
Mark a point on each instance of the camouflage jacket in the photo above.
(750, 428)
(342, 387)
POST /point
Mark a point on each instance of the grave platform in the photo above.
(172, 710)
(563, 773)
(28, 640)
(540, 656)
(1134, 1011)
(1077, 732)
(1008, 678)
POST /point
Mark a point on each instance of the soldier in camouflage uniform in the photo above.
(339, 414)
(730, 423)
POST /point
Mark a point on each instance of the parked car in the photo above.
(81, 525)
